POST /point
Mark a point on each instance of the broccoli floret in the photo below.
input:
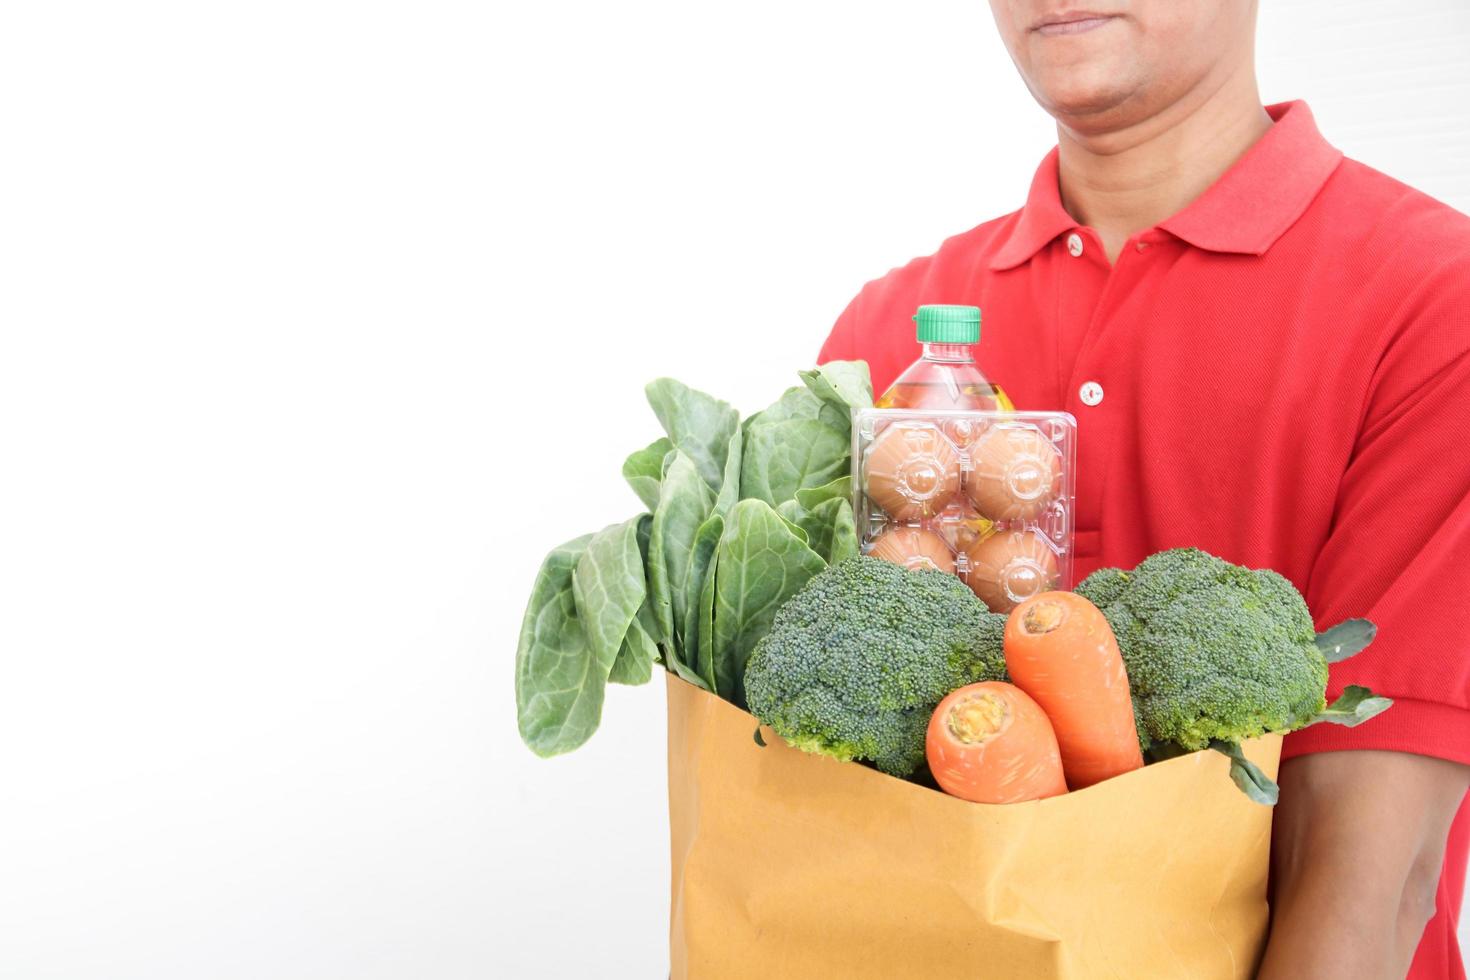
(856, 662)
(1106, 585)
(1214, 651)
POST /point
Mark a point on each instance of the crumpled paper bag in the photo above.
(790, 865)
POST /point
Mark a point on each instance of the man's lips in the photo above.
(1071, 22)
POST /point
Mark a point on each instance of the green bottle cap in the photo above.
(948, 324)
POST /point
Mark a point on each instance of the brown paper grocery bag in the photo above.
(790, 865)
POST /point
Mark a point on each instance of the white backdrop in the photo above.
(322, 322)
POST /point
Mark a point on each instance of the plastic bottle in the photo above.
(946, 376)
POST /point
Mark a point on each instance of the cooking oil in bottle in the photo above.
(946, 376)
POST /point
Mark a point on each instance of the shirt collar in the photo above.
(1041, 220)
(1244, 212)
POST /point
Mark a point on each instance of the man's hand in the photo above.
(1357, 847)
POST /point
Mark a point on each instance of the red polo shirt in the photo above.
(1278, 374)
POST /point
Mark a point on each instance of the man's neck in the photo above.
(1122, 182)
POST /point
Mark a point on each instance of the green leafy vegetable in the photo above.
(811, 497)
(801, 403)
(703, 653)
(829, 528)
(792, 513)
(640, 648)
(803, 441)
(695, 583)
(784, 457)
(684, 502)
(701, 558)
(729, 493)
(761, 564)
(559, 681)
(699, 425)
(644, 469)
(608, 587)
(844, 384)
(636, 656)
(844, 543)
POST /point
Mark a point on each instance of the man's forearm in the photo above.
(1358, 843)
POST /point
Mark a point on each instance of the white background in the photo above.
(322, 322)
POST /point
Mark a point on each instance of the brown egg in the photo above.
(913, 548)
(1010, 567)
(912, 471)
(1015, 473)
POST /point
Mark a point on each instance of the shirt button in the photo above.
(1074, 244)
(1091, 393)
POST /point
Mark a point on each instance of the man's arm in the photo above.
(1358, 844)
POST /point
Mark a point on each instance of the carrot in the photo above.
(1060, 650)
(990, 743)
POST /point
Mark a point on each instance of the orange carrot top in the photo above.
(990, 743)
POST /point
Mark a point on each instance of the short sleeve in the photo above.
(1399, 549)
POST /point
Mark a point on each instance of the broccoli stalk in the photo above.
(1217, 654)
(855, 663)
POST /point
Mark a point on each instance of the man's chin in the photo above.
(1082, 102)
(1096, 108)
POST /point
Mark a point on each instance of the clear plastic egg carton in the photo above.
(986, 496)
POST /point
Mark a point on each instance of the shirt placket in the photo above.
(1093, 288)
(1083, 280)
